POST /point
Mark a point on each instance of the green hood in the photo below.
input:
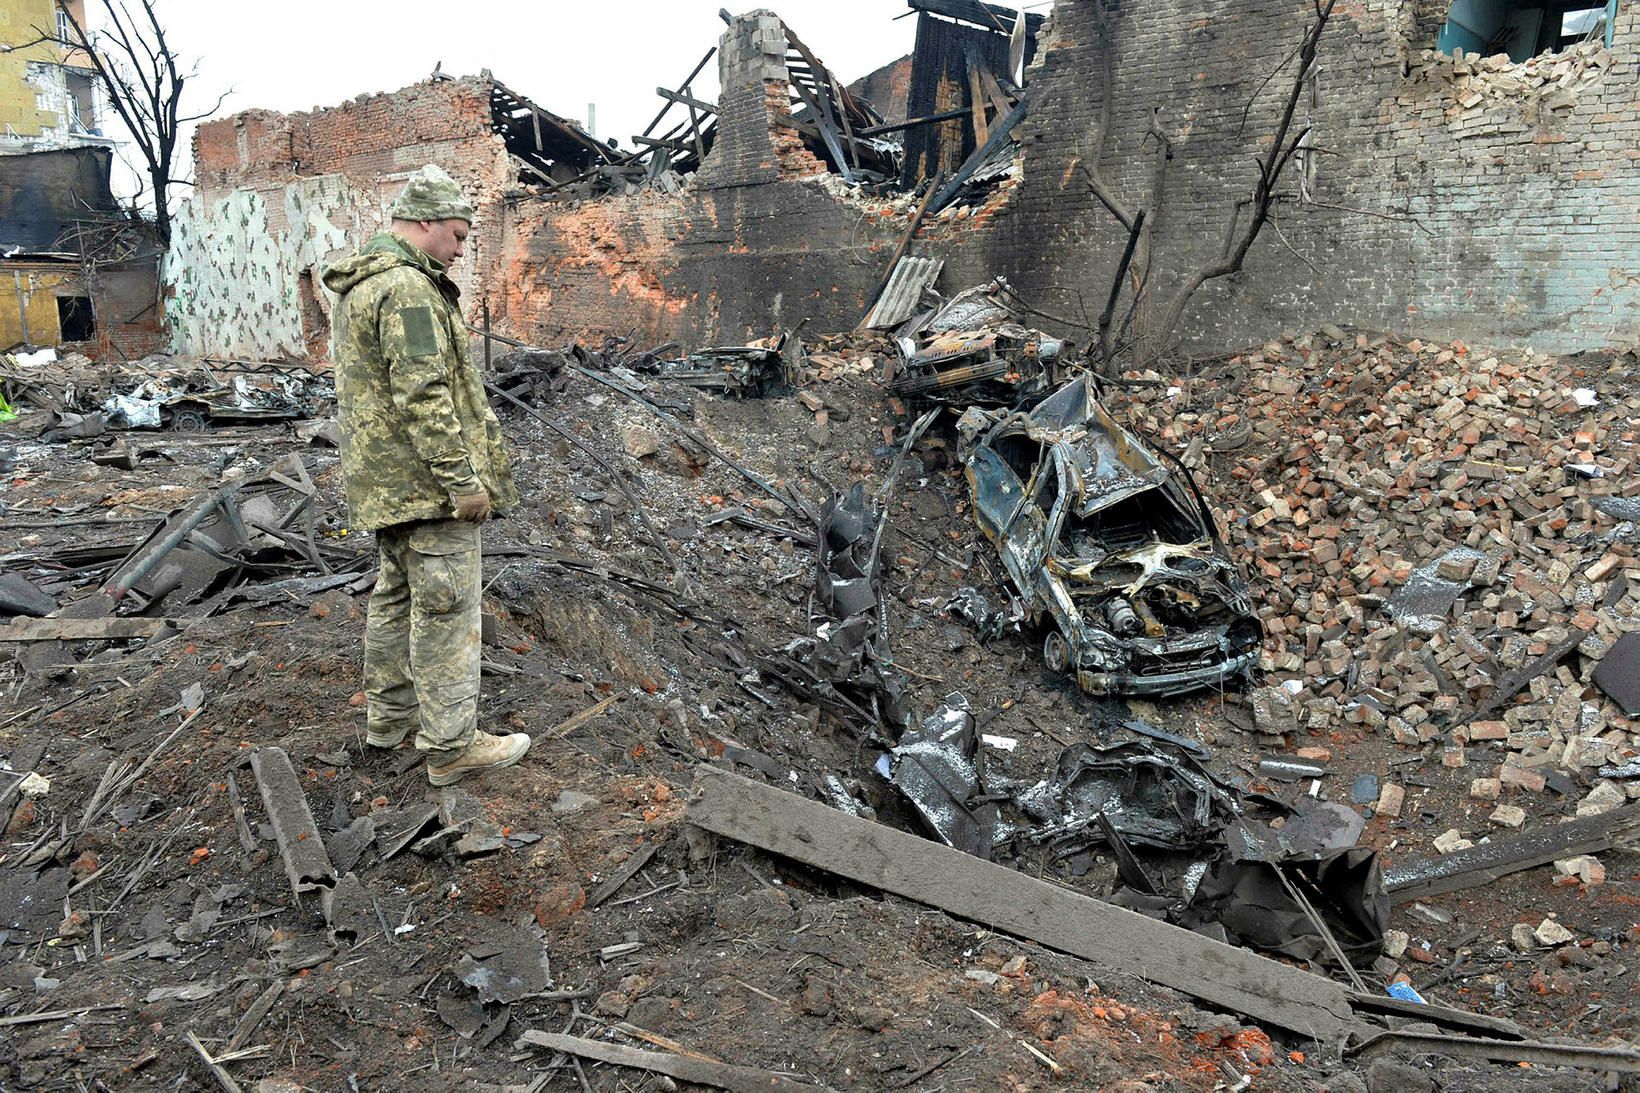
(386, 251)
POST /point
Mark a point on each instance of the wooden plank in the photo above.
(976, 103)
(827, 133)
(1000, 102)
(651, 142)
(650, 128)
(827, 88)
(949, 115)
(1505, 854)
(626, 872)
(1023, 906)
(736, 1079)
(981, 154)
(62, 629)
(687, 99)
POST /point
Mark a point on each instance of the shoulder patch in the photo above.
(419, 339)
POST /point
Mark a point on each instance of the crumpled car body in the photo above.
(184, 403)
(1116, 549)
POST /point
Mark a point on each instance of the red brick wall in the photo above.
(363, 148)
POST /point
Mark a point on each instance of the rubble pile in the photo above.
(87, 399)
(1443, 542)
(700, 643)
(1543, 81)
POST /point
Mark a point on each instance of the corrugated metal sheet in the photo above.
(903, 291)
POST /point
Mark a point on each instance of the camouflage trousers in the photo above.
(421, 640)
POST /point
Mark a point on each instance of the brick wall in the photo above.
(1474, 199)
(1478, 199)
(886, 88)
(280, 196)
(762, 237)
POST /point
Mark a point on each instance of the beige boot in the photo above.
(486, 752)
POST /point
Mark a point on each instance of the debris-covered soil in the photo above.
(1438, 541)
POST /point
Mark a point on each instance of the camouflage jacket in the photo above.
(416, 426)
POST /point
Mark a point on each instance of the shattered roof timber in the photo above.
(543, 139)
(970, 56)
(990, 16)
(834, 116)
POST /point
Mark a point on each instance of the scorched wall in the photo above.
(1475, 199)
(1472, 198)
(762, 236)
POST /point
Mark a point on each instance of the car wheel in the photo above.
(1056, 653)
(189, 421)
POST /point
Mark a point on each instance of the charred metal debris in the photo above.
(188, 396)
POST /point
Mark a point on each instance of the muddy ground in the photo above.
(153, 918)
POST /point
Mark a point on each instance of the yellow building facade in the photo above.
(29, 308)
(44, 94)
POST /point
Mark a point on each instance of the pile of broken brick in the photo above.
(1444, 543)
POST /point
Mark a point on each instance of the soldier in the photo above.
(423, 466)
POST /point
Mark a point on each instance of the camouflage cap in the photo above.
(430, 194)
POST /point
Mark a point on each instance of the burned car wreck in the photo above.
(1114, 552)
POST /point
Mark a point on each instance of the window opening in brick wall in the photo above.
(315, 323)
(74, 319)
(1525, 28)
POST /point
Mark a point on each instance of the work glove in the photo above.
(472, 507)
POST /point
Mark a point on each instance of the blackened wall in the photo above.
(762, 236)
(1476, 199)
(1479, 199)
(45, 196)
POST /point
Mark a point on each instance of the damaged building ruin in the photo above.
(1477, 196)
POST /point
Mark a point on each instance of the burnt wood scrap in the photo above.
(1504, 854)
(965, 96)
(1268, 991)
(695, 1069)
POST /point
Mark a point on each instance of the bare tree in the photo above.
(139, 72)
(1152, 316)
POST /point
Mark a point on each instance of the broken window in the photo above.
(1524, 28)
(82, 101)
(74, 319)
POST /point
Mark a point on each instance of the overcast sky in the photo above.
(304, 53)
